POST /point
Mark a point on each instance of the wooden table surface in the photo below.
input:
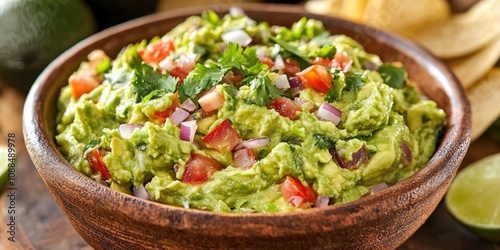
(40, 223)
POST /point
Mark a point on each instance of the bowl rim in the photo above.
(37, 138)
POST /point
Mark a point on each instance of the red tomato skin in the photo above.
(81, 84)
(322, 61)
(164, 114)
(293, 187)
(199, 169)
(316, 77)
(268, 61)
(291, 67)
(155, 52)
(341, 61)
(223, 138)
(94, 158)
(285, 107)
(244, 158)
(179, 73)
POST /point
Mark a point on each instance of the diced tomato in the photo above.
(322, 61)
(267, 60)
(94, 158)
(179, 73)
(199, 169)
(341, 61)
(164, 114)
(81, 83)
(285, 107)
(296, 193)
(244, 158)
(211, 100)
(223, 138)
(316, 77)
(291, 67)
(155, 52)
(232, 78)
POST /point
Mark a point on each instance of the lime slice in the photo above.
(3, 167)
(474, 198)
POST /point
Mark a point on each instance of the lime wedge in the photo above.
(474, 198)
(3, 167)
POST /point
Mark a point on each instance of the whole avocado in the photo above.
(35, 32)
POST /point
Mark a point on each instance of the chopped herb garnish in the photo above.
(292, 50)
(334, 92)
(149, 84)
(392, 75)
(323, 141)
(327, 51)
(266, 91)
(353, 82)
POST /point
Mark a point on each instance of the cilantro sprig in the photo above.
(149, 84)
(234, 57)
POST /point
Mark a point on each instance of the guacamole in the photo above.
(230, 114)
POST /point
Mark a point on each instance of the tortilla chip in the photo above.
(483, 98)
(324, 7)
(405, 16)
(353, 9)
(469, 69)
(463, 33)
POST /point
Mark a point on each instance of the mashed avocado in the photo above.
(235, 115)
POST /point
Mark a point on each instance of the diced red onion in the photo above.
(188, 130)
(322, 201)
(237, 36)
(295, 82)
(167, 64)
(282, 82)
(406, 152)
(127, 129)
(253, 143)
(186, 62)
(359, 158)
(260, 52)
(329, 113)
(178, 116)
(244, 158)
(279, 63)
(188, 105)
(140, 192)
(236, 11)
(378, 187)
(296, 201)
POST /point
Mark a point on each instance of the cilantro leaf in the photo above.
(323, 141)
(292, 50)
(200, 79)
(204, 77)
(353, 82)
(149, 84)
(327, 51)
(165, 85)
(230, 95)
(233, 56)
(392, 75)
(333, 94)
(265, 90)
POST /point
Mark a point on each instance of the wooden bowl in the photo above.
(107, 219)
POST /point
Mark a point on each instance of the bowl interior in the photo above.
(432, 76)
